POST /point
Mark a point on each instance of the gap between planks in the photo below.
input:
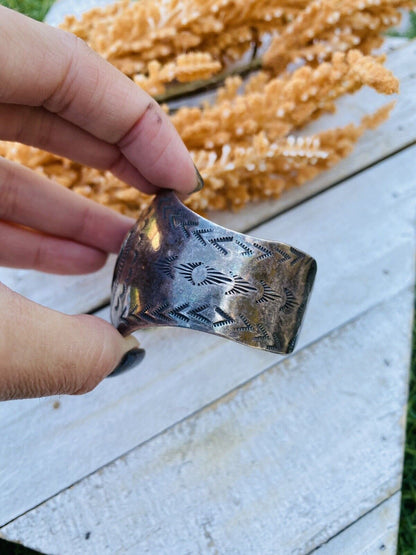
(211, 404)
(375, 533)
(251, 468)
(362, 269)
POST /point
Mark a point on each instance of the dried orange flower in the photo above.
(185, 68)
(133, 35)
(328, 26)
(247, 143)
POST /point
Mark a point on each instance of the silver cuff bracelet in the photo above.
(176, 268)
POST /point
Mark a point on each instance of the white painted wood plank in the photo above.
(279, 465)
(362, 234)
(373, 534)
(70, 294)
(84, 293)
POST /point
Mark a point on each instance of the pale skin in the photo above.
(57, 94)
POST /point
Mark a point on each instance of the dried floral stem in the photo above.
(328, 26)
(132, 35)
(188, 89)
(279, 105)
(244, 144)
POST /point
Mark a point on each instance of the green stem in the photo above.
(183, 90)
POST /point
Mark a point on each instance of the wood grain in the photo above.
(362, 235)
(279, 465)
(373, 534)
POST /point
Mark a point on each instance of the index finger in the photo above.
(44, 66)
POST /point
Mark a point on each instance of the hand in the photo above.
(57, 94)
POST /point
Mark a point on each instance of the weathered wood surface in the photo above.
(279, 465)
(373, 534)
(85, 293)
(293, 467)
(362, 234)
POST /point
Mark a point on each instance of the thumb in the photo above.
(44, 352)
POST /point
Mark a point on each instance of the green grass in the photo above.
(34, 8)
(409, 33)
(407, 533)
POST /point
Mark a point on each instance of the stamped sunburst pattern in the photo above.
(241, 287)
(199, 273)
(267, 294)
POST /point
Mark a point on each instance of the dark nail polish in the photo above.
(200, 181)
(130, 359)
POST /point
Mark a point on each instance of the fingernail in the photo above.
(129, 359)
(199, 180)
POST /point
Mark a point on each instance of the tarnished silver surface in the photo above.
(176, 268)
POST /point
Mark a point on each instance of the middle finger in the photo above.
(32, 200)
(37, 127)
